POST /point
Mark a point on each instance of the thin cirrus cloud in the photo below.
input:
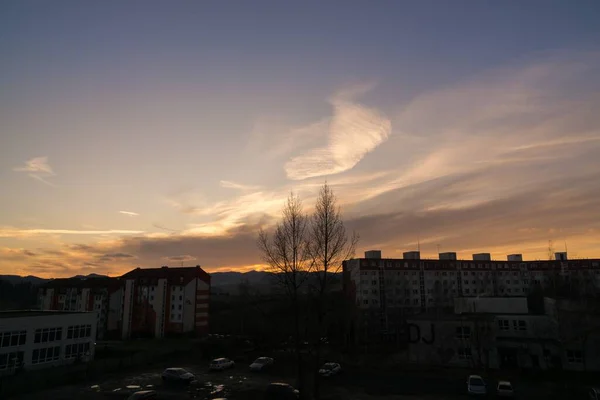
(37, 168)
(353, 131)
(10, 232)
(500, 163)
(237, 186)
(129, 213)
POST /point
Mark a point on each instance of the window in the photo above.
(12, 338)
(574, 356)
(365, 292)
(464, 353)
(416, 291)
(180, 298)
(416, 301)
(365, 301)
(11, 360)
(465, 282)
(76, 350)
(373, 282)
(47, 335)
(519, 325)
(465, 273)
(467, 291)
(463, 332)
(503, 324)
(79, 331)
(508, 282)
(180, 306)
(44, 355)
(414, 282)
(151, 298)
(172, 306)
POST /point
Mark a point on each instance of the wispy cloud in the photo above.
(37, 168)
(129, 213)
(237, 186)
(352, 132)
(9, 232)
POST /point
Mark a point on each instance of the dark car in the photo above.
(281, 391)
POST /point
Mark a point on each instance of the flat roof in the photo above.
(36, 313)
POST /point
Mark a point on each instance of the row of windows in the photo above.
(79, 331)
(518, 325)
(48, 354)
(76, 350)
(11, 360)
(13, 338)
(47, 335)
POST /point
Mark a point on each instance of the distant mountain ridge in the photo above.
(225, 281)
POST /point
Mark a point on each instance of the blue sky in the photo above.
(197, 118)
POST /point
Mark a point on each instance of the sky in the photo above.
(150, 133)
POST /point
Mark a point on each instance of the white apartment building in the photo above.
(41, 339)
(384, 290)
(165, 301)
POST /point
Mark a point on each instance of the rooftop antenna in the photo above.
(418, 244)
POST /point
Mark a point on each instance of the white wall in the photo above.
(52, 320)
(189, 301)
(127, 308)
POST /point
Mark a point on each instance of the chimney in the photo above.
(482, 257)
(411, 255)
(449, 255)
(515, 257)
(373, 254)
(560, 256)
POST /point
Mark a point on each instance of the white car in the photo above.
(220, 364)
(476, 385)
(505, 389)
(330, 369)
(261, 363)
(177, 375)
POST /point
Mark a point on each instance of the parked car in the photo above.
(178, 375)
(281, 391)
(143, 395)
(261, 363)
(476, 385)
(220, 364)
(330, 369)
(505, 389)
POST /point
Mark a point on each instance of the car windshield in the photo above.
(261, 360)
(476, 382)
(504, 386)
(328, 366)
(181, 371)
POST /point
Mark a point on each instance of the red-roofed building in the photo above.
(165, 301)
(145, 302)
(102, 295)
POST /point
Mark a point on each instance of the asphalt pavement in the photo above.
(241, 383)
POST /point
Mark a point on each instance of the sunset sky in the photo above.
(147, 133)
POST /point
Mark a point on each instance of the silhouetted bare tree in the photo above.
(329, 246)
(286, 253)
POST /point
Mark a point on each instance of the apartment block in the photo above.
(100, 295)
(384, 291)
(145, 302)
(165, 301)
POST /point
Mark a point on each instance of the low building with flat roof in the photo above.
(34, 339)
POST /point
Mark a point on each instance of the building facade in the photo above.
(500, 333)
(145, 302)
(385, 291)
(39, 339)
(101, 295)
(165, 301)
